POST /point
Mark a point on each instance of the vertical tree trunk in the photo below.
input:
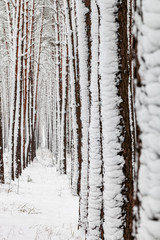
(75, 103)
(117, 142)
(19, 137)
(1, 147)
(31, 106)
(83, 9)
(147, 74)
(95, 201)
(15, 162)
(66, 137)
(57, 32)
(63, 109)
(124, 70)
(25, 84)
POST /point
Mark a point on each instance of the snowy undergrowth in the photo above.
(39, 206)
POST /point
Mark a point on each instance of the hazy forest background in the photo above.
(80, 119)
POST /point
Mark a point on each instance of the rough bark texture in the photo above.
(124, 73)
(77, 98)
(101, 130)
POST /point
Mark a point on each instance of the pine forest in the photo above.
(79, 120)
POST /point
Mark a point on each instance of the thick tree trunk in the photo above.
(75, 102)
(117, 142)
(95, 198)
(124, 75)
(83, 10)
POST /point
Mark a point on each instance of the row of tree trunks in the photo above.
(102, 144)
(21, 84)
(87, 111)
(93, 76)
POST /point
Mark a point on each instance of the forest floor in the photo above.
(39, 206)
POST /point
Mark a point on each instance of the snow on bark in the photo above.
(95, 155)
(63, 133)
(83, 49)
(130, 7)
(57, 87)
(112, 139)
(73, 100)
(148, 113)
(15, 90)
(1, 146)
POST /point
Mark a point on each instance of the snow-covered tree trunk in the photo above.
(95, 201)
(78, 129)
(117, 143)
(75, 110)
(16, 164)
(57, 33)
(1, 145)
(148, 114)
(83, 9)
(5, 90)
(35, 86)
(30, 87)
(25, 85)
(19, 149)
(126, 111)
(63, 113)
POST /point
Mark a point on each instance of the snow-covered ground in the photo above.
(39, 206)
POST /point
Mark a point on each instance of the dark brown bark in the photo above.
(77, 95)
(13, 140)
(25, 88)
(65, 114)
(28, 122)
(123, 75)
(32, 118)
(138, 142)
(19, 138)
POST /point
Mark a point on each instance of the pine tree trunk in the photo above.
(95, 197)
(1, 147)
(124, 75)
(83, 10)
